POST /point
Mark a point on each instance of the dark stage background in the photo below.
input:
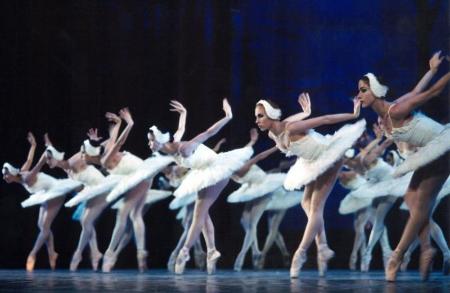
(65, 63)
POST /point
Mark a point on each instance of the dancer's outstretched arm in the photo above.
(27, 165)
(305, 103)
(113, 130)
(178, 107)
(300, 127)
(407, 103)
(261, 156)
(188, 147)
(434, 63)
(125, 115)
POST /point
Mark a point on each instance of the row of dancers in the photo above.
(200, 174)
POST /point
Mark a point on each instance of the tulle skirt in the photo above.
(430, 152)
(61, 188)
(305, 171)
(149, 168)
(222, 167)
(251, 191)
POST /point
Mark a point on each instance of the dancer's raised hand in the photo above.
(305, 103)
(93, 134)
(356, 107)
(227, 108)
(436, 60)
(31, 139)
(126, 115)
(113, 118)
(177, 107)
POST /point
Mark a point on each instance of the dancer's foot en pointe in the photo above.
(324, 255)
(95, 259)
(31, 260)
(211, 260)
(182, 258)
(142, 260)
(365, 262)
(256, 260)
(405, 262)
(76, 259)
(393, 266)
(52, 260)
(297, 262)
(109, 260)
(426, 262)
(446, 264)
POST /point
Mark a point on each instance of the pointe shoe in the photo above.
(31, 260)
(171, 263)
(95, 259)
(200, 259)
(386, 257)
(323, 257)
(446, 264)
(142, 260)
(405, 262)
(182, 258)
(238, 264)
(76, 259)
(393, 266)
(109, 260)
(211, 260)
(52, 260)
(365, 262)
(352, 262)
(256, 260)
(426, 262)
(297, 262)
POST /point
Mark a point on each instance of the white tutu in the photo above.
(333, 148)
(148, 169)
(282, 199)
(211, 169)
(252, 190)
(153, 195)
(351, 204)
(90, 192)
(61, 188)
(431, 151)
(182, 201)
(181, 213)
(393, 186)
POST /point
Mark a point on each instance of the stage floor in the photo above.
(222, 281)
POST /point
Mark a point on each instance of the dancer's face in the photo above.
(51, 161)
(365, 95)
(153, 144)
(262, 120)
(9, 178)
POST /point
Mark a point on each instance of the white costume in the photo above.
(316, 153)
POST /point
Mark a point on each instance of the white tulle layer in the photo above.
(426, 154)
(351, 204)
(90, 192)
(182, 201)
(253, 190)
(221, 168)
(153, 195)
(181, 213)
(148, 169)
(61, 188)
(393, 186)
(304, 171)
(283, 199)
